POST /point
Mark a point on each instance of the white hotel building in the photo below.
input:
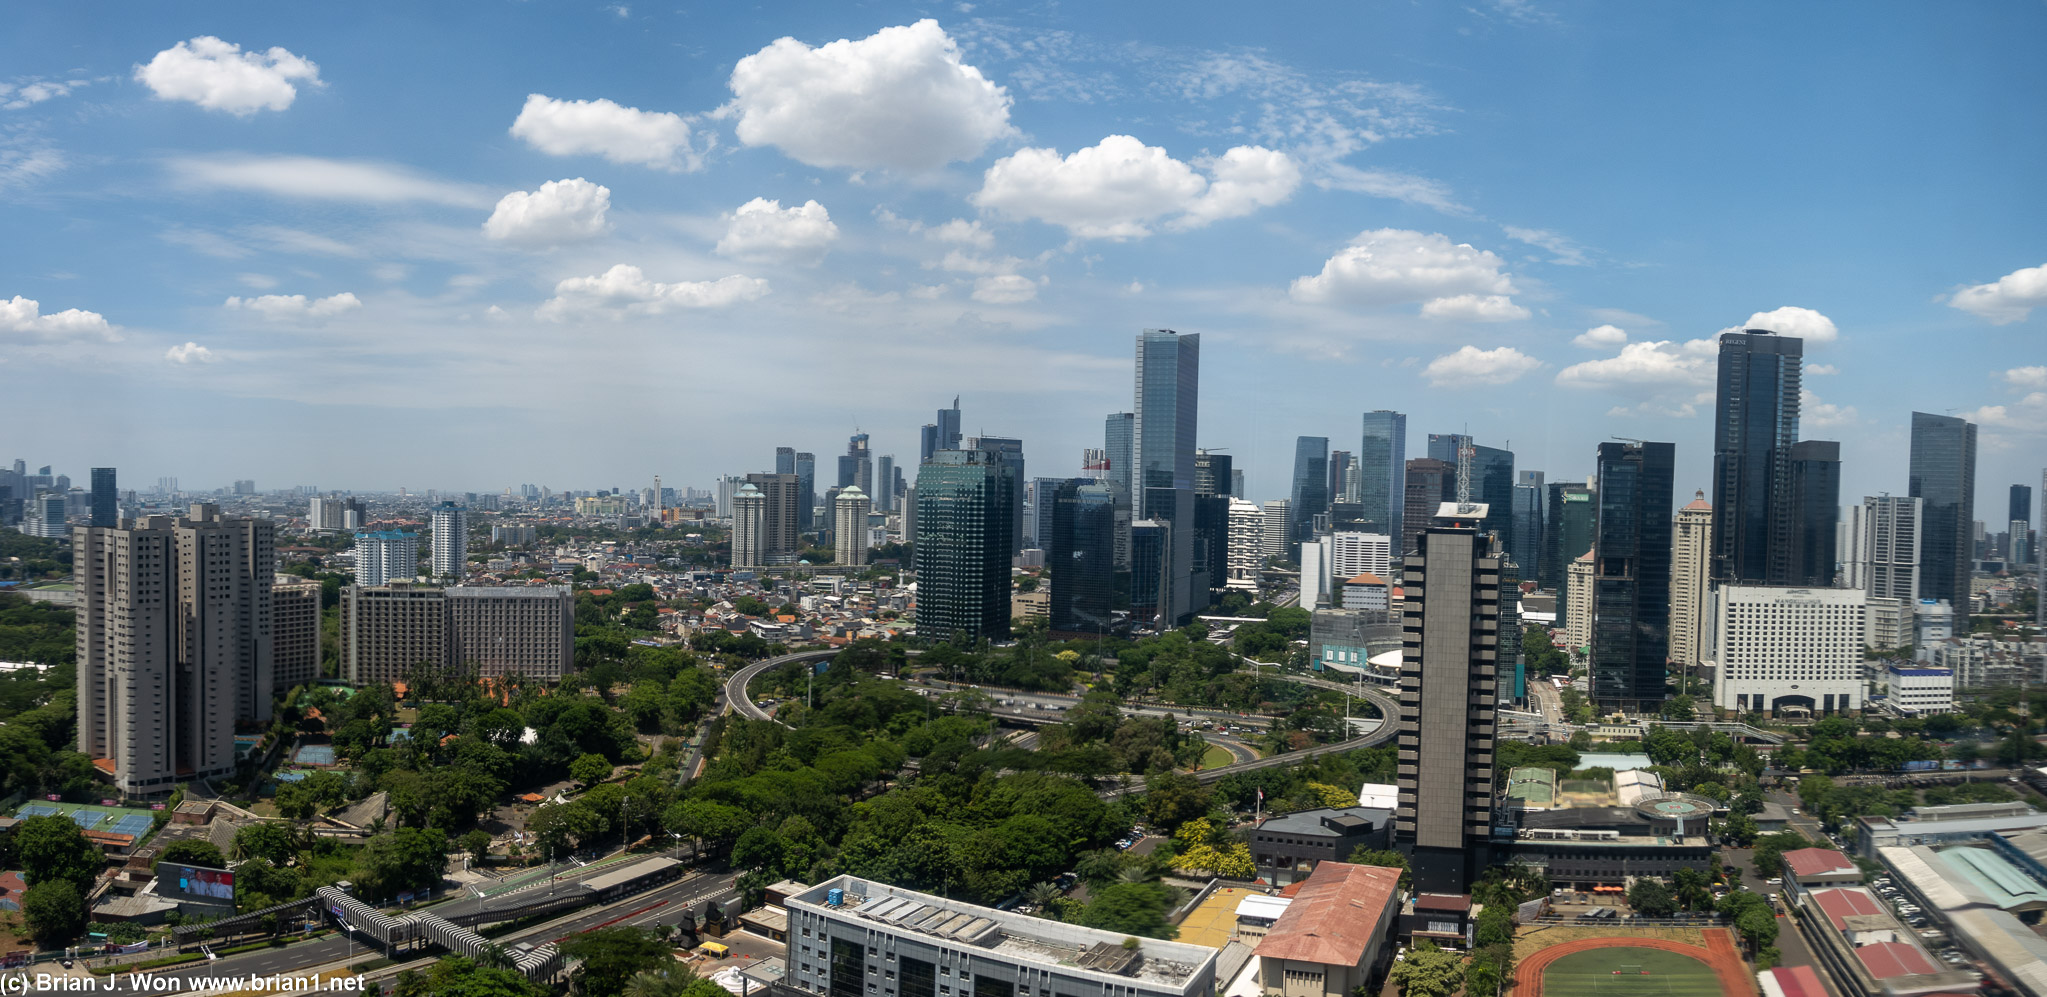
(1788, 651)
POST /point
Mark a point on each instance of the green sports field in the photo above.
(1629, 972)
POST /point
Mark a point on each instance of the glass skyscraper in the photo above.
(1310, 492)
(1943, 473)
(1755, 422)
(1816, 511)
(963, 547)
(1168, 375)
(1631, 575)
(1382, 468)
(106, 501)
(1492, 481)
(1080, 550)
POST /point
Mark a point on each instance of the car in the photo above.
(1775, 881)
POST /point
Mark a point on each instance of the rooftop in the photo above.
(1842, 904)
(1310, 822)
(1816, 862)
(1335, 917)
(1890, 959)
(2007, 886)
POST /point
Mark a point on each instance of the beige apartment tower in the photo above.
(1691, 551)
(849, 526)
(174, 642)
(295, 630)
(388, 630)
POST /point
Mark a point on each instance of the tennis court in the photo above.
(117, 820)
(1628, 971)
(315, 754)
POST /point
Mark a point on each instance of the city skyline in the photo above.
(323, 248)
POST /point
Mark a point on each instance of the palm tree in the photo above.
(1042, 895)
(648, 983)
(494, 956)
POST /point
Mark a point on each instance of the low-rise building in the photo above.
(1867, 951)
(1287, 849)
(1817, 867)
(1332, 938)
(1920, 691)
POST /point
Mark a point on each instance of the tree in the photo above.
(590, 769)
(1132, 909)
(408, 858)
(54, 911)
(611, 956)
(454, 976)
(1386, 857)
(52, 847)
(1650, 897)
(475, 841)
(268, 841)
(1171, 799)
(1427, 971)
(1770, 849)
(193, 851)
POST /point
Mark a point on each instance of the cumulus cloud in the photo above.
(2008, 299)
(1821, 369)
(659, 139)
(24, 316)
(219, 76)
(1004, 289)
(962, 232)
(314, 178)
(560, 211)
(1473, 366)
(898, 99)
(1664, 377)
(624, 291)
(1474, 308)
(1791, 320)
(1814, 413)
(1119, 187)
(1390, 265)
(189, 353)
(2026, 377)
(296, 307)
(1601, 337)
(764, 231)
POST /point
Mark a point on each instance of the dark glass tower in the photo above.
(1212, 474)
(106, 501)
(1755, 422)
(806, 491)
(1943, 472)
(1631, 575)
(963, 547)
(1430, 483)
(1531, 523)
(1492, 480)
(1080, 555)
(2020, 523)
(1310, 492)
(1382, 470)
(1571, 515)
(1010, 452)
(1816, 506)
(1168, 375)
(941, 435)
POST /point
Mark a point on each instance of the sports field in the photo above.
(1627, 971)
(118, 820)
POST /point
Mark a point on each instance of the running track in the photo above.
(1719, 953)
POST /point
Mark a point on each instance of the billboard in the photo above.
(194, 883)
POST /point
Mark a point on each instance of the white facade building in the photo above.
(1788, 650)
(1890, 623)
(849, 526)
(1247, 544)
(749, 519)
(1314, 574)
(1277, 513)
(451, 541)
(1933, 621)
(386, 556)
(1982, 663)
(325, 515)
(1352, 554)
(1885, 559)
(1920, 691)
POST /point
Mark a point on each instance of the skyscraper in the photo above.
(1120, 458)
(849, 527)
(1571, 517)
(780, 538)
(785, 460)
(1816, 511)
(1755, 422)
(1631, 575)
(1310, 492)
(451, 541)
(1010, 452)
(806, 491)
(2020, 523)
(883, 498)
(1449, 693)
(1212, 473)
(1943, 472)
(1490, 477)
(1531, 523)
(1430, 483)
(174, 643)
(106, 500)
(749, 515)
(1340, 464)
(1168, 374)
(1890, 533)
(941, 435)
(1382, 469)
(1080, 555)
(856, 465)
(386, 556)
(962, 551)
(1690, 549)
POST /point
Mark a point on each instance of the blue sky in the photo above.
(465, 246)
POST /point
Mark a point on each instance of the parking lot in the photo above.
(1909, 911)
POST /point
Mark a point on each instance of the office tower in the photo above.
(856, 466)
(1009, 452)
(909, 533)
(1571, 516)
(941, 435)
(1531, 523)
(1943, 472)
(1313, 557)
(1788, 651)
(386, 556)
(451, 541)
(883, 497)
(1310, 491)
(1631, 575)
(1236, 482)
(106, 500)
(749, 523)
(1690, 550)
(1118, 460)
(849, 527)
(806, 491)
(1382, 469)
(1430, 483)
(1755, 422)
(50, 517)
(1278, 519)
(963, 550)
(245, 486)
(780, 537)
(785, 460)
(1450, 637)
(1341, 465)
(2021, 523)
(1039, 497)
(1246, 544)
(1151, 556)
(1816, 511)
(1168, 374)
(1212, 473)
(294, 631)
(1360, 553)
(1080, 554)
(1490, 479)
(174, 643)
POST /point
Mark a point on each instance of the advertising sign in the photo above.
(195, 882)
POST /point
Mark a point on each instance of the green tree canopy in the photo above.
(193, 851)
(52, 847)
(54, 911)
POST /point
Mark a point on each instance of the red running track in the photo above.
(1719, 954)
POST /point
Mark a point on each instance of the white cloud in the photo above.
(1601, 337)
(959, 262)
(1562, 250)
(1474, 308)
(560, 211)
(320, 179)
(623, 290)
(189, 353)
(1388, 266)
(296, 307)
(259, 281)
(1004, 289)
(2008, 299)
(2026, 377)
(963, 232)
(1118, 187)
(15, 96)
(1821, 370)
(659, 139)
(898, 99)
(1473, 366)
(1792, 320)
(1816, 414)
(24, 315)
(22, 165)
(1398, 186)
(219, 76)
(764, 231)
(1664, 377)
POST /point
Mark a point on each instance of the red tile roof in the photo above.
(1840, 905)
(1366, 578)
(1816, 861)
(1332, 919)
(1798, 981)
(1889, 959)
(1442, 901)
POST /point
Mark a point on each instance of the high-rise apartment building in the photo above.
(963, 549)
(1943, 473)
(1816, 512)
(1575, 604)
(1631, 575)
(385, 556)
(106, 499)
(849, 526)
(1080, 555)
(325, 515)
(174, 643)
(1310, 491)
(1430, 483)
(1788, 651)
(294, 631)
(387, 631)
(749, 526)
(1755, 423)
(1278, 521)
(781, 537)
(1691, 549)
(1382, 470)
(1247, 544)
(451, 541)
(1888, 557)
(1352, 554)
(1448, 697)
